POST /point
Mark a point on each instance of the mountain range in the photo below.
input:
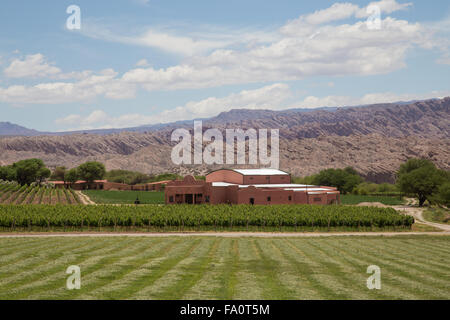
(374, 139)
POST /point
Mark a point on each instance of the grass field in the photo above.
(125, 197)
(355, 199)
(225, 268)
(438, 215)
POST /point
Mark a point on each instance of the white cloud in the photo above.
(289, 53)
(386, 6)
(31, 67)
(103, 83)
(271, 97)
(142, 63)
(268, 97)
(337, 11)
(371, 98)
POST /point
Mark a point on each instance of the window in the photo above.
(268, 199)
(290, 198)
(317, 199)
(171, 199)
(206, 198)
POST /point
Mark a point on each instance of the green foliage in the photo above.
(442, 195)
(59, 174)
(30, 170)
(125, 197)
(165, 176)
(91, 170)
(367, 188)
(71, 176)
(7, 173)
(198, 216)
(128, 177)
(420, 177)
(343, 179)
(355, 199)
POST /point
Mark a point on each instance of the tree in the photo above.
(343, 179)
(43, 173)
(7, 173)
(420, 177)
(59, 174)
(30, 170)
(91, 171)
(442, 195)
(71, 176)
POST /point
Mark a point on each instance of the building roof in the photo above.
(78, 182)
(286, 186)
(260, 172)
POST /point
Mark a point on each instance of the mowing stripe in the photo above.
(390, 288)
(100, 274)
(227, 273)
(352, 280)
(333, 285)
(54, 277)
(418, 272)
(213, 280)
(121, 282)
(404, 251)
(396, 271)
(22, 267)
(191, 274)
(290, 273)
(303, 268)
(173, 278)
(159, 268)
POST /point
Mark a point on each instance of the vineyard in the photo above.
(11, 193)
(200, 217)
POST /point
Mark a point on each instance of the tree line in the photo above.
(418, 177)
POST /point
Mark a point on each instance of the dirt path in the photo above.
(84, 198)
(417, 213)
(411, 209)
(220, 234)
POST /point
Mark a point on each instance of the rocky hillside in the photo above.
(374, 139)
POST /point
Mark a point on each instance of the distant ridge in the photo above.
(373, 139)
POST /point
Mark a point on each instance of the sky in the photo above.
(77, 65)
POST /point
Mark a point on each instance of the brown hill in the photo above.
(374, 139)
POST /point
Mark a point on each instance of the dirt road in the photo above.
(221, 234)
(84, 198)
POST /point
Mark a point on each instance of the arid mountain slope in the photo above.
(373, 139)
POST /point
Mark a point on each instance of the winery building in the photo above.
(247, 186)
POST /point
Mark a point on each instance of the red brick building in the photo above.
(247, 186)
(107, 185)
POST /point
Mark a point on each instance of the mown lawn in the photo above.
(225, 268)
(355, 199)
(125, 197)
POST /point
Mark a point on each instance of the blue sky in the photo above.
(135, 62)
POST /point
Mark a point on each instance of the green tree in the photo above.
(71, 176)
(43, 173)
(344, 179)
(59, 173)
(7, 173)
(91, 171)
(30, 170)
(442, 195)
(420, 177)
